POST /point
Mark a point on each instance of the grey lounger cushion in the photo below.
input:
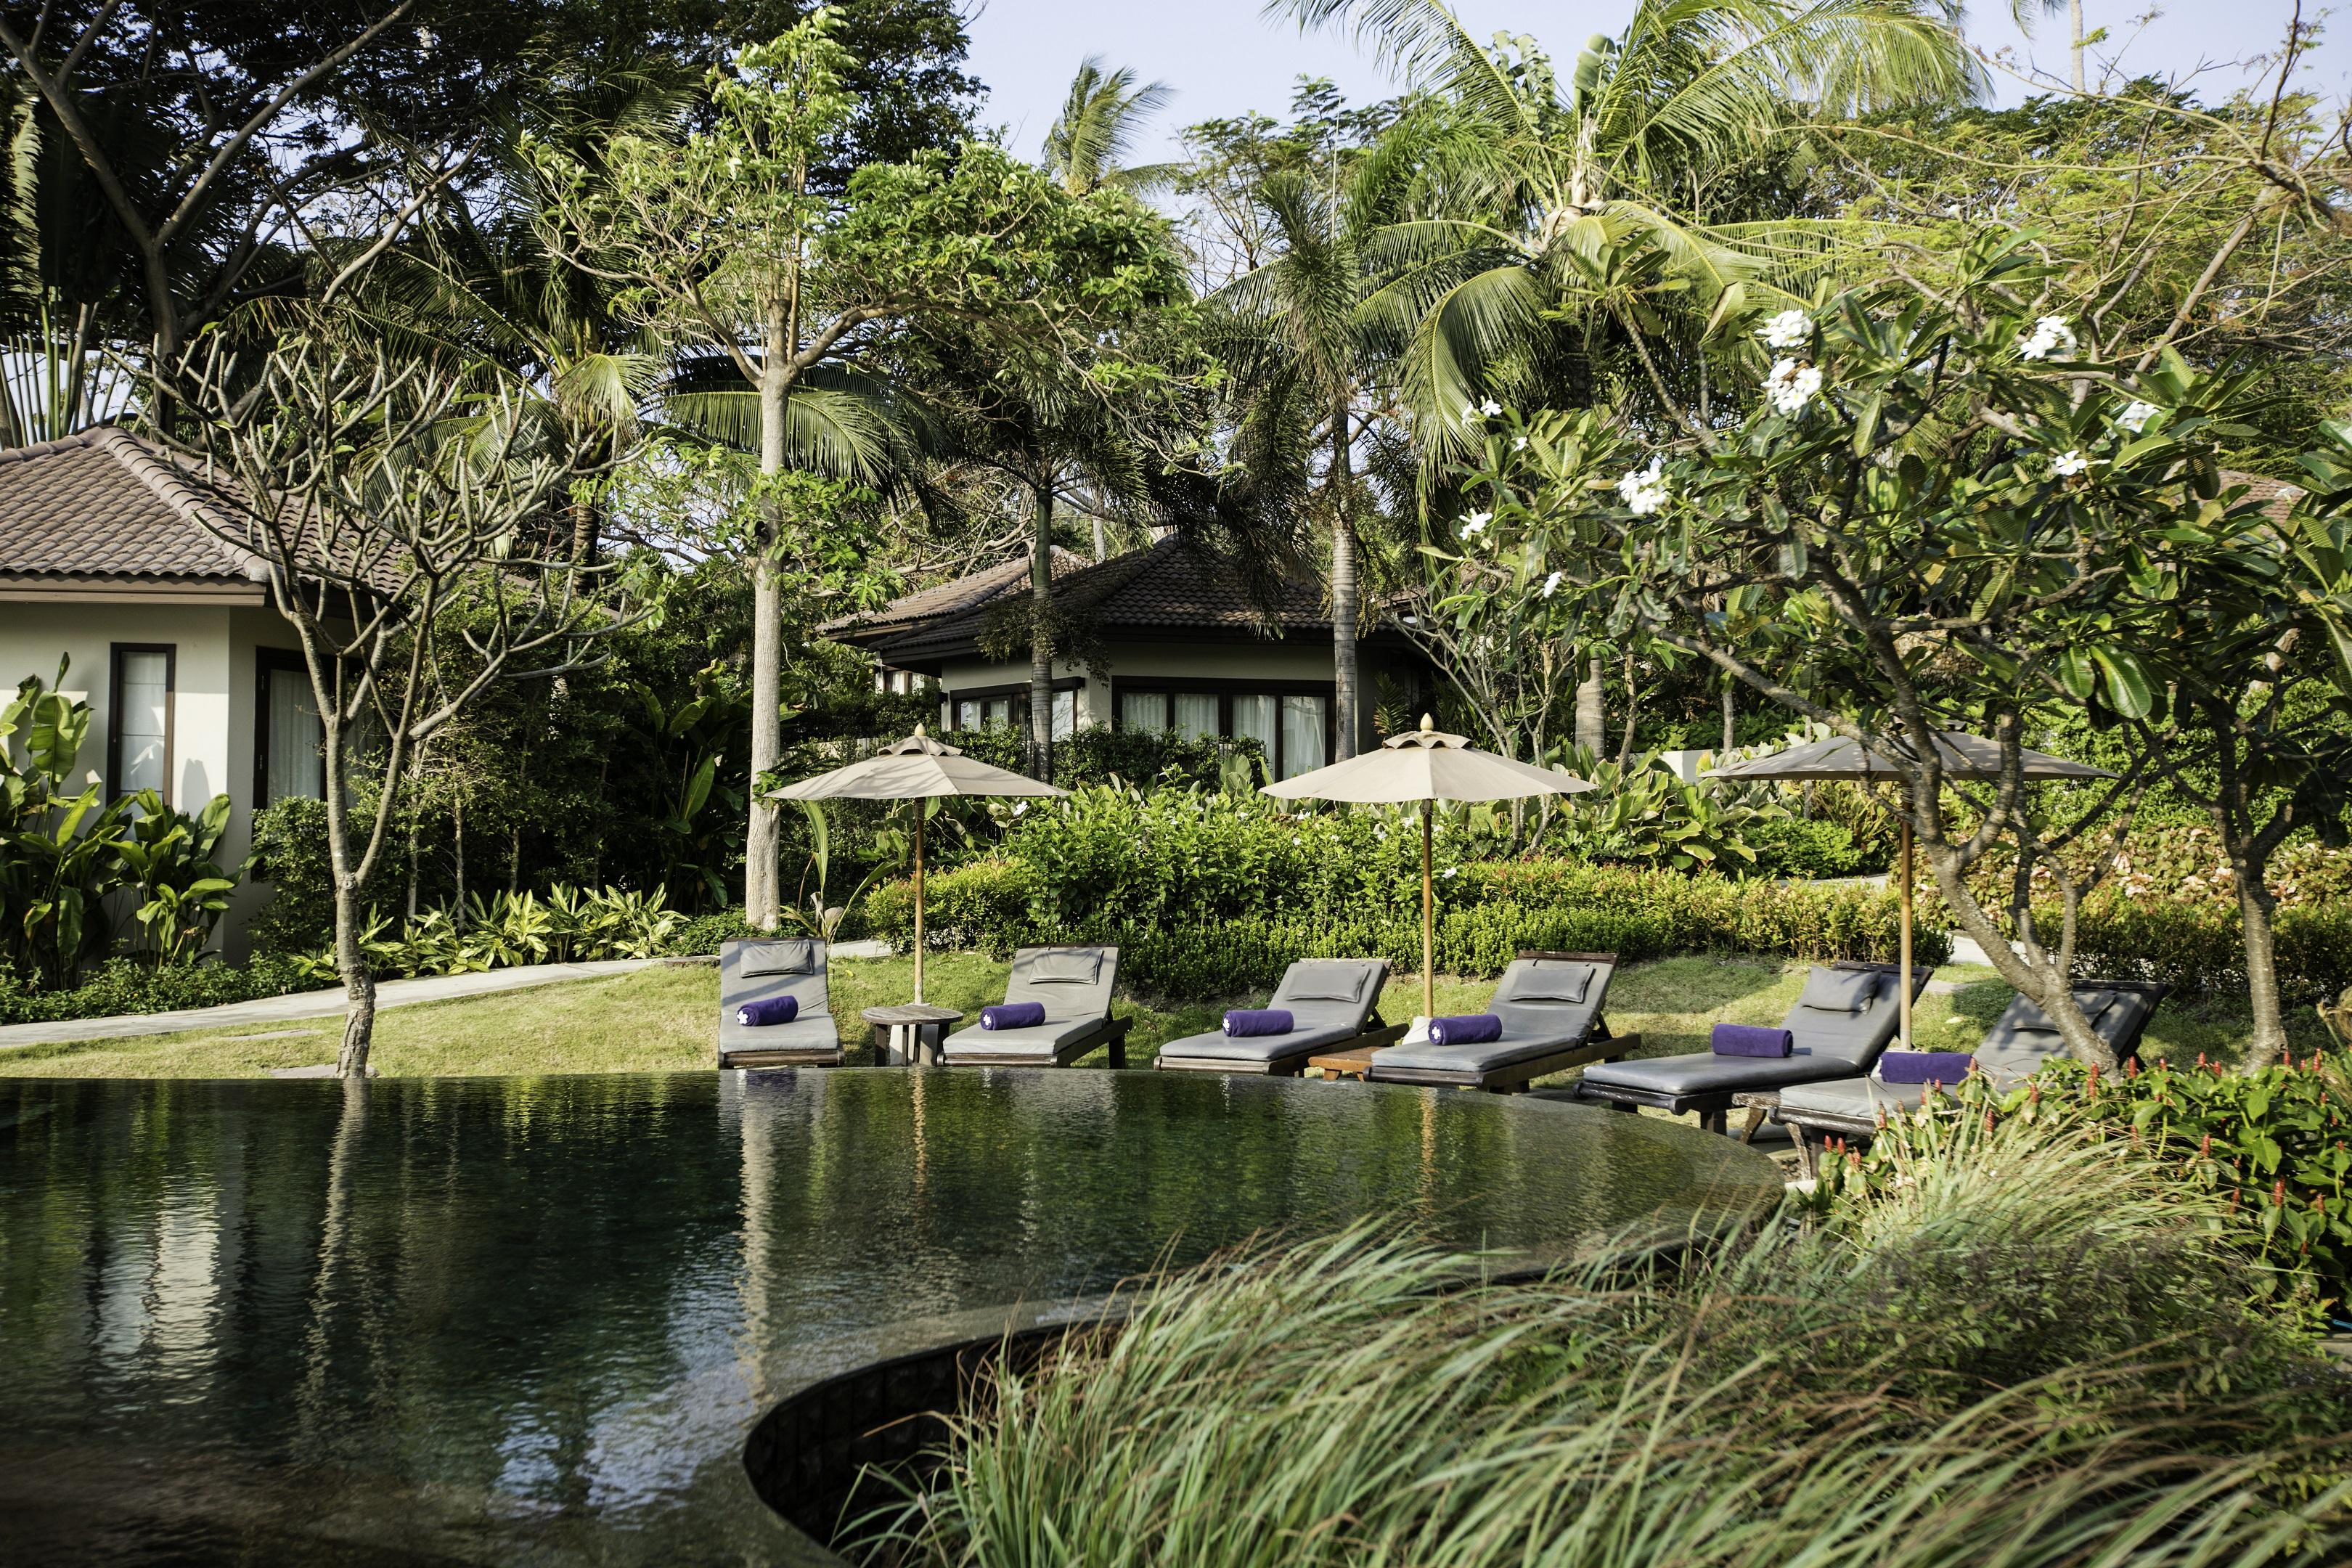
(1329, 1000)
(1831, 1043)
(1861, 1098)
(1537, 1019)
(754, 971)
(1073, 985)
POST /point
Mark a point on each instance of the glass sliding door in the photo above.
(1143, 711)
(1196, 714)
(1255, 716)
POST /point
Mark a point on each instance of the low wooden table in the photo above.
(908, 1033)
(1758, 1106)
(1345, 1064)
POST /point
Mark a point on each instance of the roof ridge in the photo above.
(165, 481)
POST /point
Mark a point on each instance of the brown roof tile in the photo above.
(105, 503)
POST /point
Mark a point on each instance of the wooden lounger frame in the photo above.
(780, 1057)
(1864, 1128)
(1598, 1044)
(1112, 1031)
(1373, 1036)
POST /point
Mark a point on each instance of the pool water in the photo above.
(531, 1321)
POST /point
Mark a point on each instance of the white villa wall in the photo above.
(213, 675)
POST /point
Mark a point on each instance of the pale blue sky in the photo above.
(1223, 56)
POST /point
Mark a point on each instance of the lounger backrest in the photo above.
(1838, 1034)
(2024, 1038)
(1540, 994)
(1073, 982)
(1326, 993)
(769, 966)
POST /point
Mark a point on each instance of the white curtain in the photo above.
(296, 766)
(1255, 717)
(1302, 735)
(1066, 714)
(1196, 715)
(968, 714)
(143, 686)
(1143, 711)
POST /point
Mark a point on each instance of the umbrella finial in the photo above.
(919, 730)
(1428, 725)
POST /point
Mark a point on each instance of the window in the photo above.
(139, 720)
(1302, 735)
(1146, 710)
(1196, 714)
(289, 755)
(1253, 719)
(1065, 715)
(968, 713)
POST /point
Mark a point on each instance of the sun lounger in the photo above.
(759, 970)
(2018, 1044)
(1842, 1021)
(1334, 1006)
(1073, 985)
(1549, 1003)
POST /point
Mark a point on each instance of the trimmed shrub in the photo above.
(2203, 947)
(1792, 847)
(289, 851)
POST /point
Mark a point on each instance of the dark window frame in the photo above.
(1224, 689)
(1019, 690)
(268, 663)
(170, 652)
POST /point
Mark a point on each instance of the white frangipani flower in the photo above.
(2066, 464)
(1792, 385)
(2135, 418)
(1490, 408)
(1475, 524)
(2051, 338)
(1643, 490)
(1791, 329)
(1551, 584)
(1518, 443)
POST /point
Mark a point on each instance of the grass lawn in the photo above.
(665, 1018)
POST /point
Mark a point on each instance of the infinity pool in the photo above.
(531, 1321)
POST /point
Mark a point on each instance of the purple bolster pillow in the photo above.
(1012, 1016)
(1244, 1021)
(1750, 1040)
(769, 1010)
(1925, 1067)
(1472, 1029)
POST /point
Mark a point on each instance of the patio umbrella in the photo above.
(1426, 765)
(1964, 756)
(917, 768)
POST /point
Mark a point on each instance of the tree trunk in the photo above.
(1591, 711)
(1730, 719)
(2074, 35)
(1102, 542)
(761, 839)
(2041, 980)
(1041, 633)
(458, 816)
(359, 981)
(2256, 904)
(1344, 610)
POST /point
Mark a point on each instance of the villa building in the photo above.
(1170, 641)
(195, 682)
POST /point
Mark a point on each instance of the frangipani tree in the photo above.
(1933, 516)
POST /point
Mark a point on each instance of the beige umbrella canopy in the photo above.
(1426, 765)
(1963, 755)
(917, 768)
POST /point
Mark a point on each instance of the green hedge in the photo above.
(2201, 947)
(1488, 914)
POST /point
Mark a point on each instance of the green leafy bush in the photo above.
(570, 925)
(289, 854)
(1792, 847)
(124, 986)
(1094, 755)
(2274, 1148)
(2201, 947)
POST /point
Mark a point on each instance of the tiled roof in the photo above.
(103, 503)
(2277, 496)
(1176, 584)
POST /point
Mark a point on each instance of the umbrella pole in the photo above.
(919, 899)
(1905, 996)
(1428, 924)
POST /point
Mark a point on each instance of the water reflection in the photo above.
(527, 1321)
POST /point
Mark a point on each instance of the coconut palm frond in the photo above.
(1101, 117)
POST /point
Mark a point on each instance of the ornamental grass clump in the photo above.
(2035, 1359)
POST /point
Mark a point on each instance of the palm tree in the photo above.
(2024, 12)
(1100, 119)
(1308, 356)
